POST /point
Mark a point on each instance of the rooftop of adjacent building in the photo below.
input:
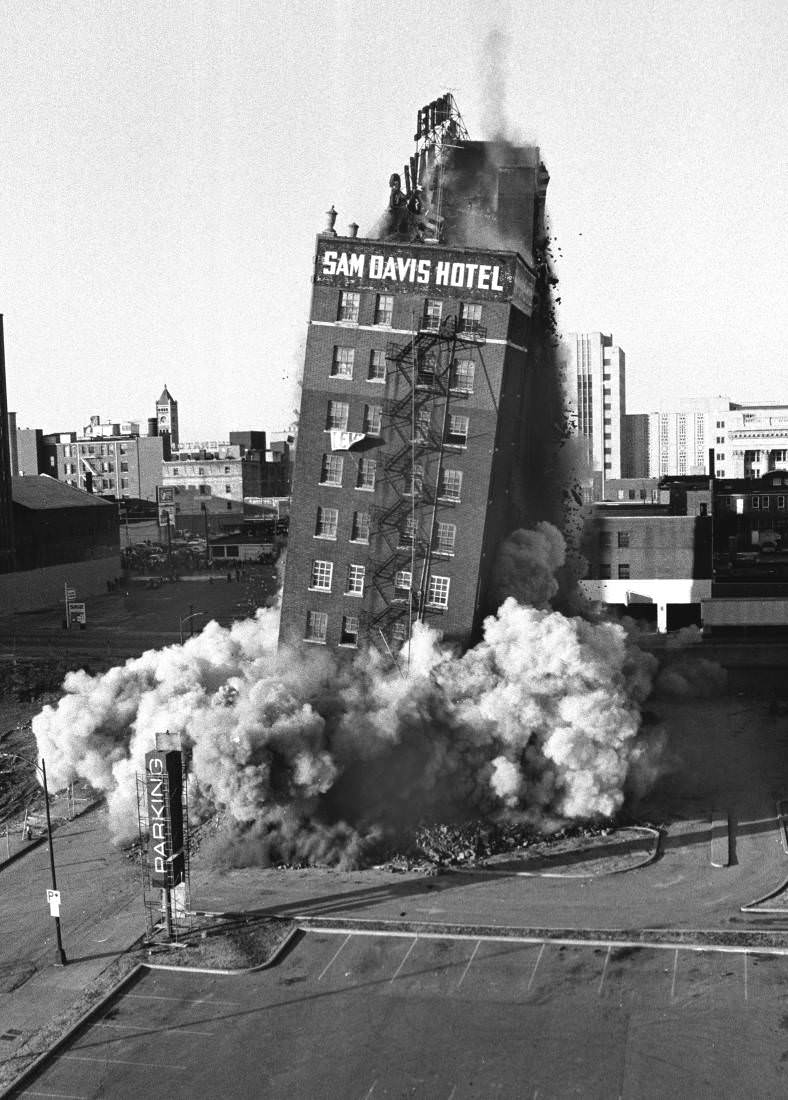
(39, 492)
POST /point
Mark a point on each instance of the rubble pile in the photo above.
(474, 841)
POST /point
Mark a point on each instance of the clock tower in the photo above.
(167, 416)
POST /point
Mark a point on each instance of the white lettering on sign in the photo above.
(408, 269)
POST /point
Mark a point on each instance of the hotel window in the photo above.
(462, 373)
(355, 580)
(781, 502)
(408, 532)
(337, 415)
(373, 415)
(322, 573)
(359, 532)
(384, 309)
(316, 626)
(403, 580)
(349, 304)
(124, 483)
(366, 474)
(123, 448)
(349, 635)
(423, 424)
(399, 632)
(415, 481)
(445, 536)
(377, 366)
(457, 430)
(425, 369)
(331, 470)
(228, 488)
(450, 486)
(342, 362)
(604, 571)
(326, 526)
(623, 571)
(124, 467)
(432, 314)
(623, 540)
(470, 317)
(438, 592)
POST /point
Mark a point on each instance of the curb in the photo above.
(685, 939)
(783, 824)
(272, 961)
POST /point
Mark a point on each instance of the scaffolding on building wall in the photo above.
(424, 395)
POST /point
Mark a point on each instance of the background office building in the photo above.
(423, 411)
(595, 372)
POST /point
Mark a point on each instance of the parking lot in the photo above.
(350, 1015)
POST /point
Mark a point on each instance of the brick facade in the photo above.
(496, 460)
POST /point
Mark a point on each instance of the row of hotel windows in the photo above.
(322, 576)
(437, 600)
(461, 375)
(338, 417)
(327, 523)
(349, 311)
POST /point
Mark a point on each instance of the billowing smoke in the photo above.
(527, 564)
(317, 760)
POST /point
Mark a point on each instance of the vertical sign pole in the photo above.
(60, 952)
(68, 607)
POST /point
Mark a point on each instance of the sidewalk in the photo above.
(102, 915)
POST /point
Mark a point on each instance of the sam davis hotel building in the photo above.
(414, 450)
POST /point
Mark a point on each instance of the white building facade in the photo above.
(596, 377)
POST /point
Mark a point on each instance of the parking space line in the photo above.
(121, 1062)
(55, 1095)
(180, 1000)
(371, 1089)
(470, 960)
(675, 971)
(604, 968)
(333, 958)
(155, 1030)
(536, 964)
(405, 959)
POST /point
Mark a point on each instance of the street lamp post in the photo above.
(42, 768)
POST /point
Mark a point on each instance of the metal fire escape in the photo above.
(421, 398)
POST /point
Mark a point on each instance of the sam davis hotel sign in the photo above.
(452, 272)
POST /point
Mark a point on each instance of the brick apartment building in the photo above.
(421, 405)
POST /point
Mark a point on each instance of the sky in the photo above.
(166, 164)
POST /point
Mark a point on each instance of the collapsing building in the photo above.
(431, 404)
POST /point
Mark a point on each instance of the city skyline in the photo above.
(170, 169)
